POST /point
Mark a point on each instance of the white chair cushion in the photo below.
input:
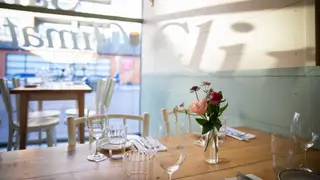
(47, 113)
(41, 122)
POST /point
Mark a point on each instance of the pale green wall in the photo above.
(262, 99)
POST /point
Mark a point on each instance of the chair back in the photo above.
(5, 93)
(165, 117)
(104, 92)
(109, 91)
(16, 84)
(145, 118)
(73, 122)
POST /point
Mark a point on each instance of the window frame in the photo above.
(68, 13)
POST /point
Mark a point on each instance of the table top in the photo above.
(53, 87)
(253, 157)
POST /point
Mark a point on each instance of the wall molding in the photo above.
(277, 72)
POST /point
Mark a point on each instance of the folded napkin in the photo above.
(149, 141)
(160, 147)
(242, 136)
(253, 177)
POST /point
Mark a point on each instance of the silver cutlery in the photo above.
(141, 143)
(240, 136)
(241, 176)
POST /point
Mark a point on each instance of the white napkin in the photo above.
(239, 134)
(253, 177)
(160, 147)
(135, 141)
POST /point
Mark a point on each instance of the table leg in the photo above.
(40, 105)
(23, 120)
(80, 102)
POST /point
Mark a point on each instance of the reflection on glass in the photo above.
(304, 135)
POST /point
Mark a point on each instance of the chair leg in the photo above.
(40, 137)
(17, 143)
(10, 139)
(54, 136)
(49, 132)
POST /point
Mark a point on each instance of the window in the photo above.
(94, 47)
(122, 8)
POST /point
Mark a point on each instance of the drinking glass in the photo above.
(223, 130)
(175, 140)
(139, 164)
(117, 137)
(304, 136)
(201, 140)
(283, 151)
(68, 74)
(96, 126)
(42, 73)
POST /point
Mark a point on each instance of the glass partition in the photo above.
(91, 48)
(122, 8)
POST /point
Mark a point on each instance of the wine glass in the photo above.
(201, 140)
(175, 141)
(304, 136)
(96, 125)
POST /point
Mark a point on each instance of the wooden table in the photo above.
(70, 163)
(51, 91)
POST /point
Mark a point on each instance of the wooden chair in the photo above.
(73, 122)
(165, 118)
(34, 124)
(33, 113)
(103, 96)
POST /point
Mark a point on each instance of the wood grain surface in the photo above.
(253, 157)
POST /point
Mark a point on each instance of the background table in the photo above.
(51, 91)
(70, 162)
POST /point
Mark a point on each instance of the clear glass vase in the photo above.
(211, 148)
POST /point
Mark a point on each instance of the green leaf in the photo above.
(223, 109)
(201, 121)
(218, 124)
(206, 128)
(220, 92)
(213, 118)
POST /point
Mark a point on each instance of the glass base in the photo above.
(96, 157)
(199, 142)
(211, 161)
(305, 169)
(140, 176)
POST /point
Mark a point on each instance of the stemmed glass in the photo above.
(201, 140)
(96, 125)
(303, 136)
(175, 141)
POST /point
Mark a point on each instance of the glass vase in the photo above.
(211, 148)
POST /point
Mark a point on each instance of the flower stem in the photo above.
(197, 95)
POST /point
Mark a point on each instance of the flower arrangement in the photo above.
(207, 109)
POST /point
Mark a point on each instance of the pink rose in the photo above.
(199, 107)
(215, 98)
